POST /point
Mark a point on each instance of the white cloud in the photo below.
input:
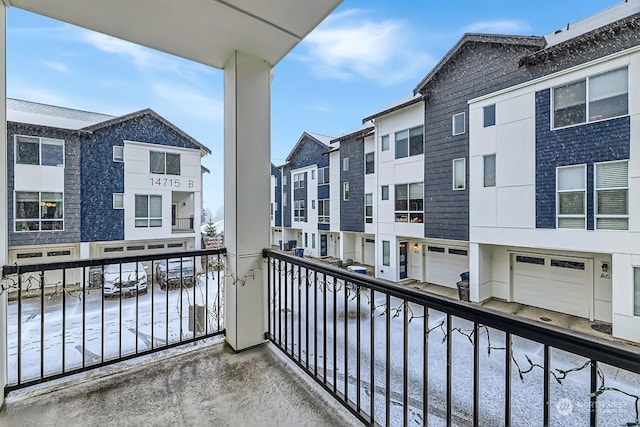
(187, 101)
(350, 45)
(500, 26)
(57, 66)
(139, 55)
(21, 89)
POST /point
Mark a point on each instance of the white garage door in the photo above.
(369, 252)
(444, 264)
(554, 283)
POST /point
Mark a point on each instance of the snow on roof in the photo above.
(50, 115)
(600, 19)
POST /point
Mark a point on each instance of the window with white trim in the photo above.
(313, 204)
(323, 175)
(384, 143)
(299, 210)
(34, 150)
(489, 163)
(345, 191)
(571, 198)
(384, 192)
(284, 180)
(285, 196)
(612, 195)
(409, 142)
(323, 211)
(118, 153)
(118, 200)
(595, 98)
(369, 163)
(313, 240)
(489, 115)
(164, 163)
(298, 180)
(409, 202)
(386, 252)
(38, 211)
(636, 291)
(368, 208)
(459, 174)
(313, 174)
(345, 164)
(148, 211)
(458, 124)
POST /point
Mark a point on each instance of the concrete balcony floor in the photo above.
(206, 386)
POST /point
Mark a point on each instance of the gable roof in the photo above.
(360, 132)
(319, 139)
(398, 105)
(153, 114)
(478, 38)
(35, 113)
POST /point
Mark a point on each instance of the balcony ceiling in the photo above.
(206, 31)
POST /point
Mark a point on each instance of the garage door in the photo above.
(444, 264)
(554, 283)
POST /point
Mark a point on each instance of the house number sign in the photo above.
(171, 183)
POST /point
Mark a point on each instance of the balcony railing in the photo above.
(182, 224)
(393, 355)
(68, 317)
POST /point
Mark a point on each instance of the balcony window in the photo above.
(164, 163)
(489, 170)
(369, 163)
(571, 197)
(323, 211)
(409, 202)
(39, 211)
(368, 208)
(31, 150)
(489, 115)
(459, 174)
(148, 211)
(323, 175)
(612, 195)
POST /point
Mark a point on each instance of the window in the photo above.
(595, 98)
(298, 180)
(384, 142)
(571, 198)
(323, 175)
(306, 240)
(323, 211)
(313, 204)
(345, 164)
(148, 211)
(409, 142)
(284, 180)
(298, 210)
(384, 193)
(489, 113)
(386, 252)
(612, 196)
(313, 240)
(489, 170)
(118, 201)
(369, 163)
(345, 191)
(459, 174)
(313, 174)
(636, 291)
(39, 211)
(31, 150)
(285, 196)
(458, 124)
(164, 163)
(118, 153)
(368, 208)
(454, 251)
(409, 202)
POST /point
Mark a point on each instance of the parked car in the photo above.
(179, 272)
(124, 279)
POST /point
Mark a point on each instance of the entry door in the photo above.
(323, 245)
(402, 264)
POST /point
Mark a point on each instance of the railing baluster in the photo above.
(388, 363)
(151, 288)
(64, 318)
(307, 321)
(137, 309)
(42, 315)
(372, 358)
(120, 313)
(358, 349)
(19, 332)
(279, 303)
(84, 316)
(195, 305)
(449, 370)
(547, 393)
(299, 313)
(476, 374)
(507, 379)
(324, 329)
(335, 334)
(593, 408)
(346, 342)
(425, 366)
(315, 323)
(102, 314)
(286, 306)
(270, 304)
(405, 360)
(166, 301)
(181, 280)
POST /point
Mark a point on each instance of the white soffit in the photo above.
(205, 31)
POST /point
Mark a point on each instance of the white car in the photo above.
(124, 279)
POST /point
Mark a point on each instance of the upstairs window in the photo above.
(31, 150)
(148, 211)
(298, 180)
(284, 180)
(489, 170)
(594, 98)
(636, 291)
(164, 163)
(489, 113)
(345, 191)
(384, 192)
(118, 200)
(459, 174)
(384, 143)
(571, 198)
(368, 208)
(323, 211)
(369, 163)
(299, 210)
(409, 142)
(39, 211)
(345, 164)
(612, 195)
(409, 202)
(458, 124)
(323, 175)
(118, 153)
(386, 252)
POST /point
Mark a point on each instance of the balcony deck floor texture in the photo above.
(208, 386)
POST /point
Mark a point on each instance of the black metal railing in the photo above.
(393, 355)
(69, 317)
(182, 224)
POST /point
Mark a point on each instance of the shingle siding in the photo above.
(476, 70)
(590, 143)
(71, 202)
(352, 210)
(277, 212)
(286, 191)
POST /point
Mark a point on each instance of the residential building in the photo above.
(555, 174)
(85, 185)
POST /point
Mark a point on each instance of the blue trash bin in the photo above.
(300, 252)
(464, 276)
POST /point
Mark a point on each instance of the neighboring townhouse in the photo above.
(555, 177)
(85, 185)
(357, 241)
(306, 193)
(276, 201)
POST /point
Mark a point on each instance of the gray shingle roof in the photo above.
(50, 115)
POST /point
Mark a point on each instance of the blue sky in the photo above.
(365, 56)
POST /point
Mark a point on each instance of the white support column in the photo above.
(4, 223)
(247, 154)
